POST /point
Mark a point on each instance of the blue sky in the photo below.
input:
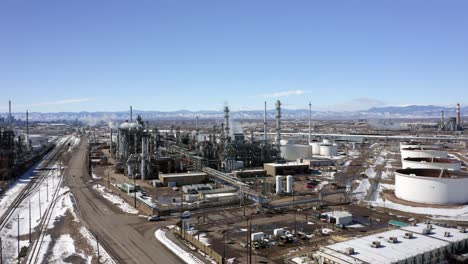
(171, 54)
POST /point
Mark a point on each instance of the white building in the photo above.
(410, 245)
(339, 217)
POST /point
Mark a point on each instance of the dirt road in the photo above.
(127, 238)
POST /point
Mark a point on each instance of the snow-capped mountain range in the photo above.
(412, 111)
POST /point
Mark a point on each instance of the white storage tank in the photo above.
(326, 141)
(431, 163)
(432, 186)
(279, 184)
(315, 147)
(328, 150)
(423, 153)
(296, 151)
(289, 184)
(416, 144)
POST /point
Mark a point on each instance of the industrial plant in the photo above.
(231, 190)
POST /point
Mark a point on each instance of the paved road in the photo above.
(127, 238)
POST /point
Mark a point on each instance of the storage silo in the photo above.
(328, 150)
(431, 163)
(289, 184)
(432, 186)
(279, 184)
(315, 147)
(296, 151)
(423, 153)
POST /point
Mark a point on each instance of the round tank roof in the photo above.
(433, 160)
(433, 173)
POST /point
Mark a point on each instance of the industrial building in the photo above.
(453, 123)
(249, 174)
(274, 169)
(183, 178)
(432, 186)
(409, 245)
(338, 217)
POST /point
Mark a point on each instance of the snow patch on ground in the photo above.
(121, 203)
(458, 213)
(184, 255)
(362, 189)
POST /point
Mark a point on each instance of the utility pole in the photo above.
(47, 189)
(30, 240)
(294, 209)
(1, 251)
(108, 180)
(19, 249)
(134, 185)
(40, 211)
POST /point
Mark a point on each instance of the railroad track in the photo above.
(31, 187)
(33, 254)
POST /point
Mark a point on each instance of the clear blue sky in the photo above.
(196, 54)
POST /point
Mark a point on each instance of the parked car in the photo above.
(154, 218)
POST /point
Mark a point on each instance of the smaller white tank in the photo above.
(326, 141)
(328, 150)
(315, 147)
(289, 184)
(279, 184)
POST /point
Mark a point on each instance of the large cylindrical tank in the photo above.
(296, 151)
(328, 150)
(423, 153)
(431, 163)
(315, 147)
(289, 184)
(279, 184)
(432, 186)
(415, 144)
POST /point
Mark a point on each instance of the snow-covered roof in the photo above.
(387, 252)
(439, 232)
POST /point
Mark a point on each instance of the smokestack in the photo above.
(196, 129)
(458, 114)
(27, 130)
(110, 149)
(9, 115)
(265, 132)
(278, 123)
(226, 121)
(442, 121)
(310, 122)
(131, 114)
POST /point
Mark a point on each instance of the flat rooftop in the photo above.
(388, 252)
(439, 232)
(433, 173)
